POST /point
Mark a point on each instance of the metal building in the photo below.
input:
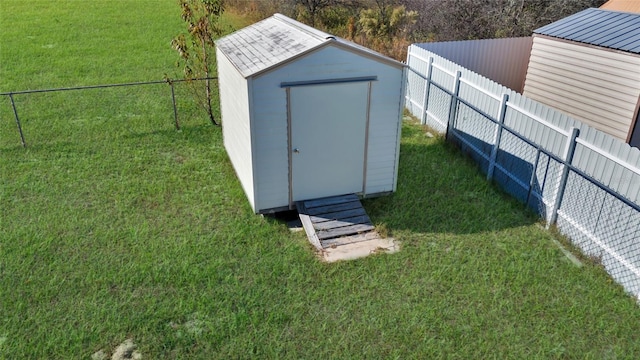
(622, 5)
(587, 65)
(307, 115)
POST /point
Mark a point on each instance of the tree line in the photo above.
(389, 26)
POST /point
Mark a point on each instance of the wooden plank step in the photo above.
(330, 201)
(336, 221)
(334, 208)
(310, 231)
(327, 243)
(344, 231)
(326, 225)
(338, 215)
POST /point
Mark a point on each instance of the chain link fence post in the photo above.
(173, 100)
(15, 113)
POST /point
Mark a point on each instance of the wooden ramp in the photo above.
(340, 228)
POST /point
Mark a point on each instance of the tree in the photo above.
(386, 19)
(312, 8)
(443, 20)
(196, 47)
(386, 27)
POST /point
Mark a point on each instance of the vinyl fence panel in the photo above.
(578, 178)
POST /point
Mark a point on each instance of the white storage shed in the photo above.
(307, 115)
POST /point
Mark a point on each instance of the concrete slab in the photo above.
(360, 249)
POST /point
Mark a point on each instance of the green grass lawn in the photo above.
(115, 226)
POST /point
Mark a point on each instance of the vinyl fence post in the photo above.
(454, 103)
(427, 86)
(15, 113)
(497, 135)
(569, 150)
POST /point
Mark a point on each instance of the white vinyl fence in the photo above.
(585, 182)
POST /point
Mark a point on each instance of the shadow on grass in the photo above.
(197, 134)
(513, 174)
(193, 134)
(441, 190)
(70, 147)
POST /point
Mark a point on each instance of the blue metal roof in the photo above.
(610, 29)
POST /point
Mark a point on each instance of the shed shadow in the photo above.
(441, 189)
(512, 174)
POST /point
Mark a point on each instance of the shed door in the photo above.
(328, 137)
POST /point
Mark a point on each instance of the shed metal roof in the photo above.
(609, 29)
(278, 39)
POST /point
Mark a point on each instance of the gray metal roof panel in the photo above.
(610, 29)
(275, 40)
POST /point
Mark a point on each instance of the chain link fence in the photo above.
(60, 114)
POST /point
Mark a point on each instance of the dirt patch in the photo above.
(194, 327)
(125, 351)
(99, 355)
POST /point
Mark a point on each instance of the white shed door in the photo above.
(328, 130)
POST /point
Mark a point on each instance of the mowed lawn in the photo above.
(115, 226)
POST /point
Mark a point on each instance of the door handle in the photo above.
(296, 150)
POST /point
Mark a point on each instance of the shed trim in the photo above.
(328, 81)
(366, 140)
(254, 174)
(289, 148)
(633, 138)
(403, 91)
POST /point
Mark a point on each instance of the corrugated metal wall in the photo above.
(598, 86)
(594, 199)
(501, 60)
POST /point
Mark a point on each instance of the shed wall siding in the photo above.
(236, 129)
(598, 86)
(383, 132)
(270, 130)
